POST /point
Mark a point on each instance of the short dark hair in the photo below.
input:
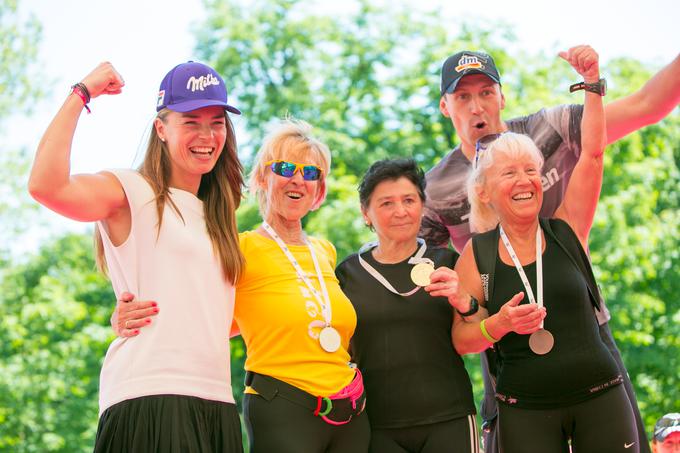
(391, 169)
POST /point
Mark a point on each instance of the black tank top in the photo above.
(412, 374)
(579, 365)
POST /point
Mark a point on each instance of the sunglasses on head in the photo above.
(288, 169)
(482, 144)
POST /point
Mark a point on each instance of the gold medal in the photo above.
(329, 339)
(420, 274)
(541, 342)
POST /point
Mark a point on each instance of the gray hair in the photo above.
(483, 217)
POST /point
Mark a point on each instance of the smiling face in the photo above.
(290, 199)
(394, 210)
(474, 108)
(513, 187)
(194, 142)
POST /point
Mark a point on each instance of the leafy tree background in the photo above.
(368, 80)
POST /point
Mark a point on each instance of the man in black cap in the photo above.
(472, 97)
(667, 434)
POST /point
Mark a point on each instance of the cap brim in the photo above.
(188, 106)
(662, 434)
(454, 84)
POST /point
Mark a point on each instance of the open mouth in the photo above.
(523, 196)
(202, 151)
(294, 195)
(480, 125)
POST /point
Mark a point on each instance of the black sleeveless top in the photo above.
(579, 366)
(402, 345)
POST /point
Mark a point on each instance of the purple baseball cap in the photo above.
(190, 86)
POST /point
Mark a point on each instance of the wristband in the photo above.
(599, 87)
(485, 332)
(82, 92)
(474, 307)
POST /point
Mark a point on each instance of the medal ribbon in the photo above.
(416, 259)
(520, 269)
(324, 300)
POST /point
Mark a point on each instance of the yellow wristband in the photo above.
(485, 332)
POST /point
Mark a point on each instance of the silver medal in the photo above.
(420, 274)
(541, 342)
(329, 339)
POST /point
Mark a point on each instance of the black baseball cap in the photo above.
(667, 425)
(464, 63)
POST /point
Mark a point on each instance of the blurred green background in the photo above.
(368, 81)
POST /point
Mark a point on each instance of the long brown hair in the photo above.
(220, 190)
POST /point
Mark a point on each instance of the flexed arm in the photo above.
(583, 192)
(80, 197)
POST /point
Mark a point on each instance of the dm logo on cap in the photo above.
(161, 98)
(469, 62)
(201, 82)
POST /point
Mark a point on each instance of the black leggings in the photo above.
(489, 433)
(452, 436)
(601, 424)
(281, 426)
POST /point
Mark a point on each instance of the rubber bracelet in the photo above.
(485, 332)
(82, 94)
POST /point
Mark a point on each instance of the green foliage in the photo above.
(636, 249)
(54, 331)
(372, 92)
(367, 78)
(18, 50)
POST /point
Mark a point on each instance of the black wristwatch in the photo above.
(599, 87)
(474, 307)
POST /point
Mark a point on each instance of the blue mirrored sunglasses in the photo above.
(287, 169)
(482, 144)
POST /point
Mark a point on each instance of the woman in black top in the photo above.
(557, 382)
(419, 397)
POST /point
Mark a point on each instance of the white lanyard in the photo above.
(416, 259)
(520, 269)
(324, 300)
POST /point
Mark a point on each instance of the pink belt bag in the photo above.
(337, 409)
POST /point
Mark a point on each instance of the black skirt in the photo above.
(169, 424)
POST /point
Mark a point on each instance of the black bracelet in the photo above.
(84, 90)
(474, 307)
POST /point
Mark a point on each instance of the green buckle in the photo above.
(329, 406)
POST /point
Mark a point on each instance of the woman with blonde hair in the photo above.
(302, 394)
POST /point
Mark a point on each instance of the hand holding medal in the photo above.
(541, 341)
(443, 282)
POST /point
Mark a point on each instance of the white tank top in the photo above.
(185, 350)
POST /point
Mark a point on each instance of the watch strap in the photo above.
(599, 87)
(474, 307)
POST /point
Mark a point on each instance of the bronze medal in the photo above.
(541, 342)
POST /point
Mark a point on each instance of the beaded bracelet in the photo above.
(485, 332)
(82, 92)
